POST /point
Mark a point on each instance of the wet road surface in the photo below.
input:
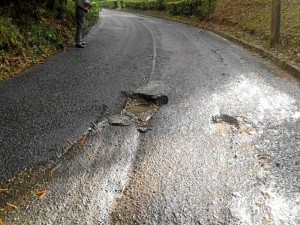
(224, 150)
(47, 106)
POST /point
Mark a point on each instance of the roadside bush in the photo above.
(135, 5)
(109, 4)
(205, 8)
(200, 8)
(156, 5)
(37, 33)
(145, 5)
(93, 15)
(43, 35)
(11, 38)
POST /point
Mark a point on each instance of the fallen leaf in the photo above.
(82, 141)
(4, 190)
(55, 168)
(41, 194)
(11, 205)
(1, 222)
(69, 148)
(161, 141)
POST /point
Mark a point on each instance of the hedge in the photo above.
(200, 8)
(145, 5)
(109, 4)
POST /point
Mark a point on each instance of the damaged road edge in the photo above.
(96, 145)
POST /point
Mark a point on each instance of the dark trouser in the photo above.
(80, 19)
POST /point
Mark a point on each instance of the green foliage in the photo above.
(135, 5)
(200, 8)
(11, 38)
(145, 5)
(69, 13)
(40, 32)
(33, 9)
(41, 35)
(109, 4)
(93, 15)
(180, 8)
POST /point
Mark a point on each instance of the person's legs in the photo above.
(80, 19)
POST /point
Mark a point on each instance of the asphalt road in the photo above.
(46, 106)
(224, 150)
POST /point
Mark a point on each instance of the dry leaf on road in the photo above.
(1, 222)
(82, 141)
(41, 194)
(11, 205)
(69, 148)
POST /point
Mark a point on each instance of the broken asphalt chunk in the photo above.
(154, 91)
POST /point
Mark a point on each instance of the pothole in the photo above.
(141, 106)
(138, 111)
(223, 118)
(226, 124)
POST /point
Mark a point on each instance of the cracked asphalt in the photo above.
(224, 150)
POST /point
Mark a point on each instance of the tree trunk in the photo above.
(275, 23)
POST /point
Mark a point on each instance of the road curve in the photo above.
(224, 150)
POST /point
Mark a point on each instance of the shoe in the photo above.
(80, 45)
